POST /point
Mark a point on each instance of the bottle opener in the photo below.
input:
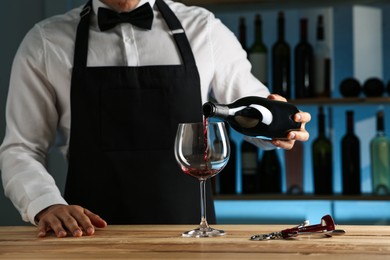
(326, 228)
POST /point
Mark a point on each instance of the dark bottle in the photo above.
(380, 158)
(258, 54)
(322, 61)
(304, 65)
(350, 159)
(256, 116)
(322, 159)
(242, 33)
(270, 173)
(249, 167)
(294, 168)
(227, 178)
(281, 62)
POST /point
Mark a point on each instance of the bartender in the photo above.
(108, 83)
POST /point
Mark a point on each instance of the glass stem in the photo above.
(203, 222)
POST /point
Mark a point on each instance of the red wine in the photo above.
(205, 140)
(304, 65)
(256, 116)
(201, 174)
(350, 152)
(281, 59)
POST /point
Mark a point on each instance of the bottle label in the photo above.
(266, 114)
(259, 66)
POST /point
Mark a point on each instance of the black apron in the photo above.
(123, 125)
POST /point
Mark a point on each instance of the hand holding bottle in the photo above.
(296, 135)
(271, 119)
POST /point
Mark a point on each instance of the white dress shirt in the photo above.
(38, 106)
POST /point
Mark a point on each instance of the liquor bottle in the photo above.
(322, 159)
(227, 179)
(281, 62)
(249, 167)
(322, 61)
(270, 173)
(380, 158)
(242, 33)
(350, 158)
(304, 64)
(256, 116)
(294, 168)
(258, 54)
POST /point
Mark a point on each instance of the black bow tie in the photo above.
(141, 17)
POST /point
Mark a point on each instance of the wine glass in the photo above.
(202, 151)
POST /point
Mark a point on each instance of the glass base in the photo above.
(204, 232)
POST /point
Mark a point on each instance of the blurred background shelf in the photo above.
(275, 4)
(278, 197)
(342, 101)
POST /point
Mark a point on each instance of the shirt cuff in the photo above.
(41, 203)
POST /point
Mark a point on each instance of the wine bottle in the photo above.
(322, 61)
(281, 62)
(242, 33)
(322, 159)
(249, 167)
(350, 158)
(270, 173)
(256, 116)
(304, 64)
(380, 158)
(294, 168)
(227, 178)
(258, 54)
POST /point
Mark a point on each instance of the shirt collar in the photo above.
(96, 4)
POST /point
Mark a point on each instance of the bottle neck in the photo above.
(303, 31)
(242, 32)
(320, 29)
(350, 126)
(258, 30)
(281, 27)
(321, 122)
(380, 123)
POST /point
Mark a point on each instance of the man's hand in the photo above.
(301, 135)
(64, 219)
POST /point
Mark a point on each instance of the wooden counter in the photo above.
(165, 242)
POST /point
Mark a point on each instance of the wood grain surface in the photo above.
(165, 242)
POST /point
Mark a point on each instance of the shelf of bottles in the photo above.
(300, 60)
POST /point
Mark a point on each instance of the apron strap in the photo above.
(82, 34)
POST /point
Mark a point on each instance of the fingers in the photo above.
(284, 144)
(96, 220)
(277, 97)
(302, 117)
(73, 220)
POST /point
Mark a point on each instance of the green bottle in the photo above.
(258, 54)
(380, 158)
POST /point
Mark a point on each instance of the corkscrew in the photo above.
(326, 228)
